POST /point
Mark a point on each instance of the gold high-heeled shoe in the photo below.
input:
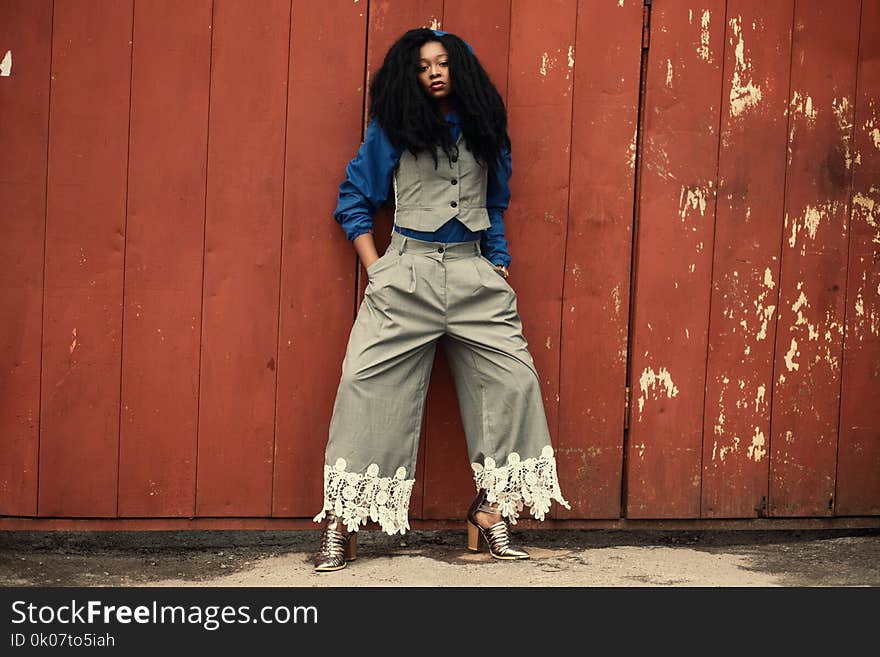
(338, 547)
(496, 537)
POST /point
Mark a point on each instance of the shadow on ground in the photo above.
(787, 557)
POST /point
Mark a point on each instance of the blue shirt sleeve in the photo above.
(366, 184)
(492, 242)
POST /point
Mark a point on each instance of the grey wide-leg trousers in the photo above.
(420, 292)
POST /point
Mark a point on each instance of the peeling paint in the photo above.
(631, 150)
(703, 49)
(743, 95)
(802, 302)
(435, 23)
(868, 209)
(73, 342)
(544, 60)
(789, 357)
(756, 450)
(811, 219)
(571, 57)
(650, 379)
(6, 65)
(841, 112)
(760, 396)
(615, 296)
(668, 72)
(873, 132)
(803, 105)
(726, 449)
(547, 344)
(620, 3)
(694, 198)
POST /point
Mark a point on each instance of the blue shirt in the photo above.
(368, 180)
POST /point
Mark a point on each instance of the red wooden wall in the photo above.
(695, 212)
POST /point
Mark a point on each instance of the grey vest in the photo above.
(426, 198)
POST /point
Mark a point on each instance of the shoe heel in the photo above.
(351, 547)
(474, 537)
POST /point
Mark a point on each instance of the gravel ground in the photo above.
(560, 558)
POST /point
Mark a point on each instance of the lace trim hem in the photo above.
(532, 482)
(355, 498)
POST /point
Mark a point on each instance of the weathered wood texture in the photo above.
(84, 258)
(242, 260)
(694, 216)
(812, 282)
(163, 258)
(673, 262)
(24, 132)
(598, 244)
(858, 449)
(745, 271)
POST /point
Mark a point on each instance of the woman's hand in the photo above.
(504, 272)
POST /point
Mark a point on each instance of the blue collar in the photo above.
(452, 117)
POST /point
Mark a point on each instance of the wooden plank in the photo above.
(163, 263)
(745, 272)
(674, 259)
(485, 26)
(595, 306)
(85, 244)
(540, 83)
(388, 21)
(858, 452)
(242, 257)
(806, 393)
(317, 272)
(448, 479)
(25, 52)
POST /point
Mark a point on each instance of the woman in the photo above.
(437, 136)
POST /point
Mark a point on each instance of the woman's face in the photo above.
(433, 70)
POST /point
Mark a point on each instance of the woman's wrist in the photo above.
(366, 249)
(502, 269)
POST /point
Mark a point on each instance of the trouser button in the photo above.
(439, 249)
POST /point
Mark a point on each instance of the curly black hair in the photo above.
(410, 118)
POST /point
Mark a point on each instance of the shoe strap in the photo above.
(485, 507)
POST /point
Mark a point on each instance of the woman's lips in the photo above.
(438, 85)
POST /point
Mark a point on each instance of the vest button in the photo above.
(454, 181)
(455, 158)
(454, 204)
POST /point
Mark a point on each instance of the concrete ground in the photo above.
(560, 558)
